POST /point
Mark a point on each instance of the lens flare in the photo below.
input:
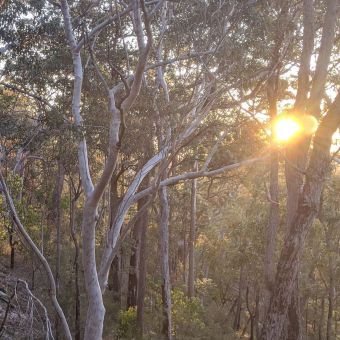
(285, 128)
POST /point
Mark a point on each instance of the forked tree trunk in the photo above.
(308, 207)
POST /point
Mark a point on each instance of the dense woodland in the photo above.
(144, 192)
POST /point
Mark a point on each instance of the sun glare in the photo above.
(285, 128)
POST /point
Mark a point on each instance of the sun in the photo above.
(285, 128)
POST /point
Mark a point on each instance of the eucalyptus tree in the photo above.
(303, 199)
(141, 71)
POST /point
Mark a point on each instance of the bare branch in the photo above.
(25, 92)
(39, 255)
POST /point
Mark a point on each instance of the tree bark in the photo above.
(166, 285)
(125, 254)
(321, 320)
(141, 283)
(296, 157)
(192, 236)
(73, 231)
(308, 207)
(241, 285)
(58, 188)
(331, 296)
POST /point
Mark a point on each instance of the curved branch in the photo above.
(40, 257)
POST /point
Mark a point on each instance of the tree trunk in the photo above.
(237, 319)
(133, 272)
(58, 188)
(96, 309)
(73, 231)
(294, 327)
(125, 253)
(137, 235)
(141, 283)
(331, 298)
(321, 319)
(12, 244)
(308, 207)
(273, 222)
(166, 286)
(115, 266)
(192, 236)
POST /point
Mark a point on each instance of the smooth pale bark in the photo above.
(96, 310)
(131, 196)
(192, 236)
(73, 231)
(166, 285)
(308, 207)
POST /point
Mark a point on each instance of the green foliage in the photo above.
(187, 316)
(127, 324)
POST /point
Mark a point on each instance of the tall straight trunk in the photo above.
(296, 157)
(125, 253)
(166, 285)
(322, 317)
(138, 234)
(73, 232)
(133, 272)
(58, 188)
(141, 283)
(331, 298)
(96, 310)
(12, 244)
(59, 183)
(241, 285)
(115, 266)
(19, 171)
(273, 192)
(185, 254)
(192, 236)
(308, 207)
